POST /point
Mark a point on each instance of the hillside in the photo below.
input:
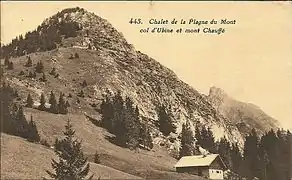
(81, 46)
(23, 160)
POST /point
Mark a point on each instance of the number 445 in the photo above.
(135, 21)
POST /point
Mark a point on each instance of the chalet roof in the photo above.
(200, 160)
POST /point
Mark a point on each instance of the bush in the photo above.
(96, 158)
(21, 73)
(76, 55)
(45, 143)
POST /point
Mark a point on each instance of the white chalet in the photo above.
(209, 166)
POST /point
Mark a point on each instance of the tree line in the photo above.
(266, 157)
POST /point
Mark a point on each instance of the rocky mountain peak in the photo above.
(217, 92)
(217, 96)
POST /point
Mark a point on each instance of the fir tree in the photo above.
(20, 123)
(198, 135)
(42, 106)
(118, 125)
(28, 62)
(207, 140)
(29, 101)
(30, 75)
(164, 121)
(76, 55)
(236, 158)
(6, 99)
(131, 124)
(72, 164)
(67, 104)
(224, 150)
(251, 155)
(39, 67)
(62, 105)
(53, 102)
(84, 83)
(33, 135)
(187, 141)
(145, 137)
(107, 112)
(6, 61)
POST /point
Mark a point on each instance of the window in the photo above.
(218, 171)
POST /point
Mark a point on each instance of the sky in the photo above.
(251, 61)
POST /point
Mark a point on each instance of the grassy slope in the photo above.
(152, 164)
(23, 160)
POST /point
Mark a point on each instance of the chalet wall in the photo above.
(200, 171)
(216, 174)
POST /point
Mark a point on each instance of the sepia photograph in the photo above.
(156, 90)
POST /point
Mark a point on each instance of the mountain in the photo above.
(81, 46)
(244, 115)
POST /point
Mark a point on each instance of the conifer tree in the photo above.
(20, 123)
(29, 101)
(6, 61)
(118, 125)
(76, 55)
(42, 106)
(67, 104)
(6, 100)
(39, 67)
(30, 75)
(198, 135)
(251, 155)
(224, 150)
(131, 124)
(187, 141)
(62, 105)
(72, 164)
(107, 114)
(236, 158)
(84, 83)
(33, 134)
(164, 121)
(145, 137)
(28, 62)
(53, 102)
